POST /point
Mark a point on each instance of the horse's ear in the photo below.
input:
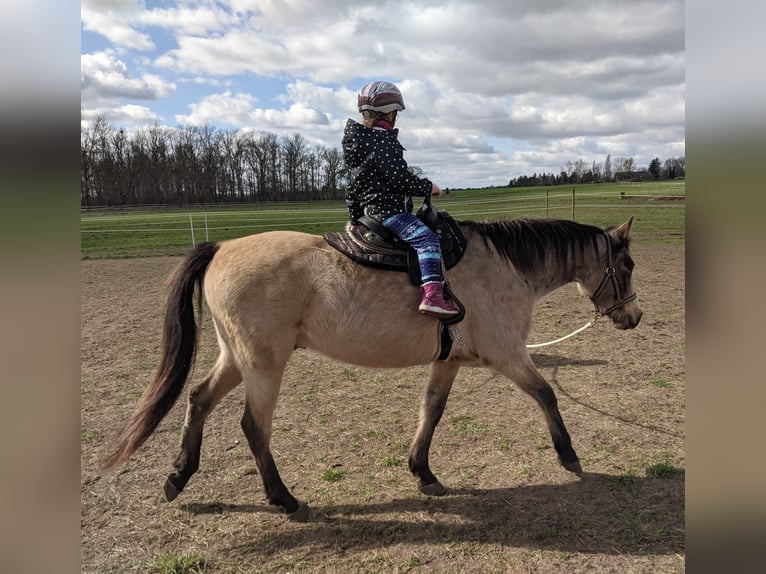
(623, 230)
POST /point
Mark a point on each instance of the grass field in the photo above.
(659, 216)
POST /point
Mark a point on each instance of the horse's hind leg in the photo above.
(223, 377)
(262, 390)
(434, 400)
(526, 376)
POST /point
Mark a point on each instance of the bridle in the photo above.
(610, 278)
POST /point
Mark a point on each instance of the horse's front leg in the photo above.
(434, 400)
(524, 373)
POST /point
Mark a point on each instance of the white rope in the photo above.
(565, 337)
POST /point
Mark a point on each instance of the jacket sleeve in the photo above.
(391, 163)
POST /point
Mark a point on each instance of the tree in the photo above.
(608, 173)
(332, 161)
(624, 164)
(293, 151)
(655, 168)
(417, 170)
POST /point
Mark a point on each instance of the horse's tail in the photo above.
(179, 346)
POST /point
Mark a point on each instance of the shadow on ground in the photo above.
(601, 513)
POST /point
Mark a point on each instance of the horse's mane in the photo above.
(526, 242)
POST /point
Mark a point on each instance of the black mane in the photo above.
(525, 242)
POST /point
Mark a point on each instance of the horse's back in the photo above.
(294, 288)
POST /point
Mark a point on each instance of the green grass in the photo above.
(146, 232)
(174, 563)
(413, 561)
(662, 470)
(661, 383)
(464, 425)
(623, 482)
(334, 474)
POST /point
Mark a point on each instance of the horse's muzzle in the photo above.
(624, 319)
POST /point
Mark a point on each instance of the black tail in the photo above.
(179, 347)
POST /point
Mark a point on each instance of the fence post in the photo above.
(206, 235)
(547, 191)
(573, 204)
(191, 226)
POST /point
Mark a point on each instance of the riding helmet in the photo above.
(380, 96)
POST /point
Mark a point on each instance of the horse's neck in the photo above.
(556, 271)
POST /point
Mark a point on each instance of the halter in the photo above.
(610, 277)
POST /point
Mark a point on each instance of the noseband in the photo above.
(610, 278)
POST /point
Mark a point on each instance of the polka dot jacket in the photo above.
(381, 185)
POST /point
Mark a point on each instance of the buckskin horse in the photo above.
(273, 292)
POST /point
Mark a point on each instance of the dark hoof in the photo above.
(171, 492)
(573, 466)
(433, 489)
(301, 514)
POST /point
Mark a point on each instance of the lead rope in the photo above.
(565, 337)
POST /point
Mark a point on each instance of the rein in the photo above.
(609, 278)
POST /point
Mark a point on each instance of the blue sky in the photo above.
(494, 89)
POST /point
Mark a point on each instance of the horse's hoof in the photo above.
(433, 489)
(171, 492)
(301, 514)
(573, 466)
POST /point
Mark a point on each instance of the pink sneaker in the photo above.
(433, 302)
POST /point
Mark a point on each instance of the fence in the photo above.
(173, 232)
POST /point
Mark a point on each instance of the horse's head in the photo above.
(609, 284)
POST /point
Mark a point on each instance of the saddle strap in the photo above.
(383, 231)
(446, 343)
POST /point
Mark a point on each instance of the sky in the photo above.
(493, 89)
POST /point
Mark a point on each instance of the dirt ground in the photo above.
(511, 507)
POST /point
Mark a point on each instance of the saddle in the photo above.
(374, 245)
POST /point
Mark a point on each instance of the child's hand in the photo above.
(436, 191)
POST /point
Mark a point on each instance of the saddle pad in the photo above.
(368, 248)
(356, 249)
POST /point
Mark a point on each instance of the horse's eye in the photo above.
(629, 263)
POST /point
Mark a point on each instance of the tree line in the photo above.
(159, 165)
(619, 169)
(190, 165)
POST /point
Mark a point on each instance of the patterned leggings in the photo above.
(424, 241)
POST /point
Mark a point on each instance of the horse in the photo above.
(273, 292)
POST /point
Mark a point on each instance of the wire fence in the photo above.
(173, 232)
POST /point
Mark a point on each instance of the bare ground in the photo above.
(511, 507)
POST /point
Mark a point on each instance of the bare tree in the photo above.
(293, 151)
(193, 164)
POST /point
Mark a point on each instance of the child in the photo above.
(382, 187)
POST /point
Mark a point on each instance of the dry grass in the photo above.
(341, 437)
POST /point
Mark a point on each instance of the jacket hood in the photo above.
(358, 140)
(355, 143)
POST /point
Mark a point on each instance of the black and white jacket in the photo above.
(381, 184)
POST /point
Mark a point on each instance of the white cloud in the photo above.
(128, 115)
(104, 77)
(239, 110)
(196, 20)
(114, 20)
(493, 88)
